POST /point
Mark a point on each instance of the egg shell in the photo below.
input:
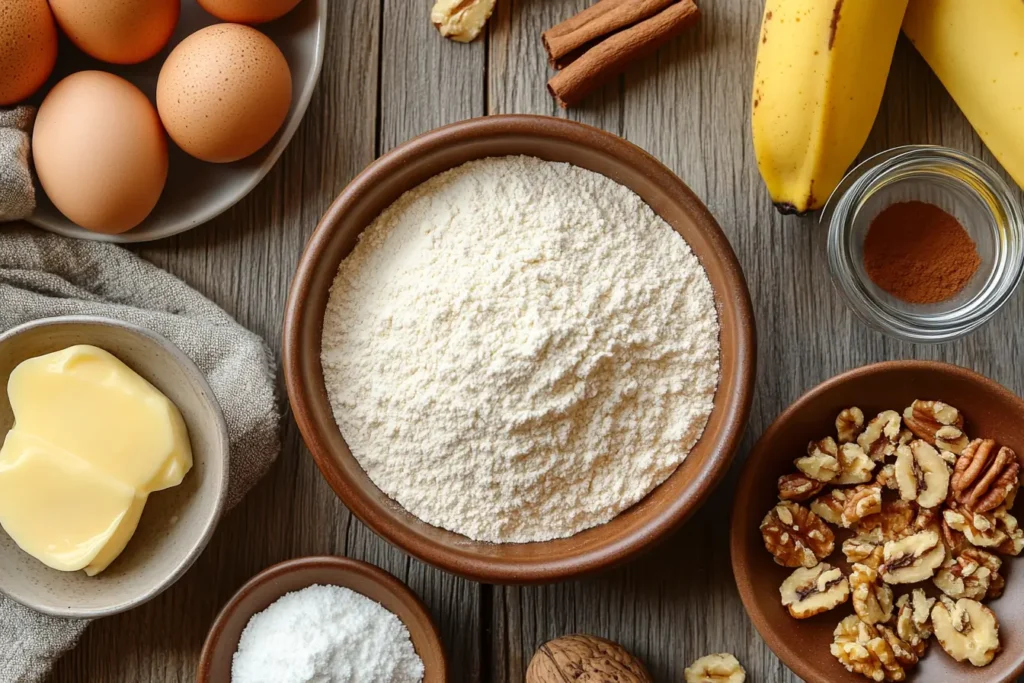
(100, 151)
(118, 31)
(28, 48)
(248, 11)
(224, 92)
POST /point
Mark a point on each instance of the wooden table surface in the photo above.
(388, 76)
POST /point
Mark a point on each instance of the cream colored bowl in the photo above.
(176, 524)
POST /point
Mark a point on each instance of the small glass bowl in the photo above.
(960, 185)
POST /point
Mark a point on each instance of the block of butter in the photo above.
(91, 440)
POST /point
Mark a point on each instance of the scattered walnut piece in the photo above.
(972, 573)
(912, 559)
(849, 424)
(863, 650)
(822, 460)
(796, 536)
(938, 423)
(798, 487)
(855, 467)
(872, 600)
(984, 477)
(914, 620)
(718, 668)
(921, 475)
(966, 630)
(881, 435)
(461, 20)
(997, 530)
(807, 592)
(584, 658)
(865, 548)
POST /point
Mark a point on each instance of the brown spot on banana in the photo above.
(834, 26)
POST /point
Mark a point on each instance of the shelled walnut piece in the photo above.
(914, 620)
(937, 423)
(863, 650)
(717, 668)
(872, 599)
(849, 424)
(461, 20)
(921, 475)
(808, 592)
(585, 658)
(972, 573)
(822, 460)
(796, 536)
(985, 476)
(881, 435)
(912, 559)
(798, 487)
(966, 630)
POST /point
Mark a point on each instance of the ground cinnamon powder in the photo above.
(919, 253)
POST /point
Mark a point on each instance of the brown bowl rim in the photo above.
(491, 569)
(376, 575)
(739, 533)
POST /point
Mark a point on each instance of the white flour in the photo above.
(325, 634)
(519, 350)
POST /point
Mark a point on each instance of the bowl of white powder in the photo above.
(520, 349)
(323, 619)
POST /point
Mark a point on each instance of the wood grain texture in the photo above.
(387, 77)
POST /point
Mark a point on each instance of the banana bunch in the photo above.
(820, 73)
(976, 48)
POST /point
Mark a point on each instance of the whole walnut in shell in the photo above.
(585, 659)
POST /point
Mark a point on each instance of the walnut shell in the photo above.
(585, 659)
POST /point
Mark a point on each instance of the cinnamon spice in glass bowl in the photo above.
(924, 292)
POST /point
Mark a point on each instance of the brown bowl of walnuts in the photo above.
(874, 530)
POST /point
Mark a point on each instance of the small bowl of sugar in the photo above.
(323, 618)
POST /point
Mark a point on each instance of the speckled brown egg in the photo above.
(224, 92)
(248, 11)
(100, 151)
(118, 31)
(28, 48)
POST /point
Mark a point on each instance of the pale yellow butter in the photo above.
(91, 440)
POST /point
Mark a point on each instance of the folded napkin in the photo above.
(43, 275)
(17, 194)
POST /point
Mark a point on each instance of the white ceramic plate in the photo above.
(197, 191)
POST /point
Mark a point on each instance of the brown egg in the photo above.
(224, 92)
(118, 31)
(28, 48)
(100, 152)
(248, 11)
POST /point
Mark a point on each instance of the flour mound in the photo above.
(518, 350)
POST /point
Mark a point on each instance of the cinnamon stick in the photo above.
(566, 41)
(611, 56)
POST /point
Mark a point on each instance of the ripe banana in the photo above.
(977, 51)
(820, 73)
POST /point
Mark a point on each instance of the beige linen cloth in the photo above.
(43, 275)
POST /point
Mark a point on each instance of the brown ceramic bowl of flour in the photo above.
(988, 409)
(557, 140)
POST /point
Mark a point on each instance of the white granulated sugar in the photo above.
(518, 350)
(326, 634)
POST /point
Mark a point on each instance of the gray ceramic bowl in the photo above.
(176, 524)
(196, 191)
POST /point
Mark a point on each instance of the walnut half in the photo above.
(717, 668)
(921, 474)
(938, 423)
(912, 559)
(985, 477)
(822, 460)
(863, 650)
(966, 630)
(807, 592)
(461, 20)
(872, 600)
(796, 536)
(973, 573)
(914, 620)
